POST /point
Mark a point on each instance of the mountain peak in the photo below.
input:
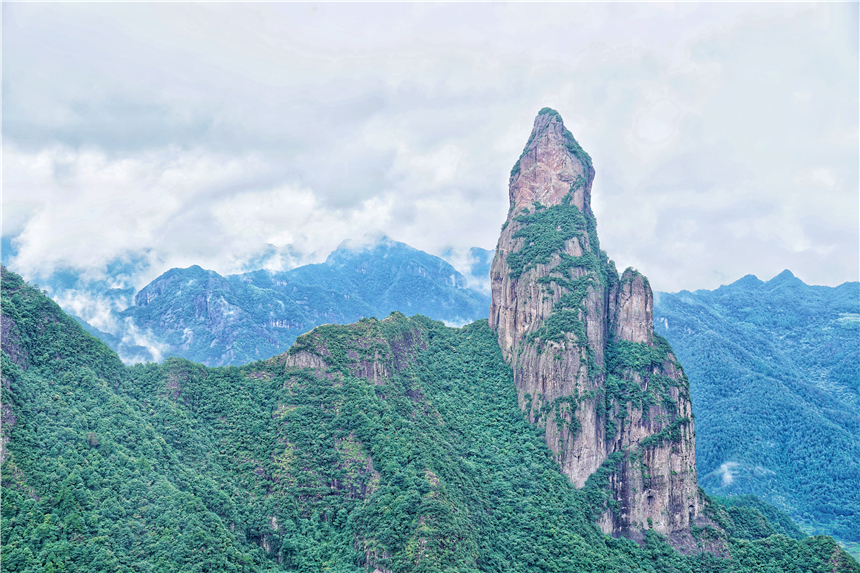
(782, 277)
(551, 166)
(571, 327)
(747, 282)
(378, 243)
(366, 241)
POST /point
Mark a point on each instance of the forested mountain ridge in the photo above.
(395, 444)
(200, 315)
(774, 370)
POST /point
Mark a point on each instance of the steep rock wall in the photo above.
(587, 364)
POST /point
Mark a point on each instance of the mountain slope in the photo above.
(88, 482)
(394, 444)
(774, 371)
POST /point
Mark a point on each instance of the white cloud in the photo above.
(465, 262)
(133, 336)
(725, 136)
(294, 217)
(727, 472)
(97, 311)
(103, 208)
(824, 178)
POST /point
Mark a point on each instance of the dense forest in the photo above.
(395, 444)
(774, 369)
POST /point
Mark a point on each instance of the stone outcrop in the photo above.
(587, 364)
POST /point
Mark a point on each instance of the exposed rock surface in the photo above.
(587, 364)
(10, 338)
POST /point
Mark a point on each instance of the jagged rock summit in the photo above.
(587, 364)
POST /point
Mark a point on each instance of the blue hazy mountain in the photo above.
(389, 276)
(483, 259)
(774, 373)
(200, 315)
(474, 263)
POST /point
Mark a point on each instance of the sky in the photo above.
(147, 136)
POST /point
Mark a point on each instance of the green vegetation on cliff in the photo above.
(570, 143)
(544, 232)
(403, 447)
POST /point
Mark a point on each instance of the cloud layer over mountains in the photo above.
(725, 137)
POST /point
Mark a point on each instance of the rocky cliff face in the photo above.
(587, 364)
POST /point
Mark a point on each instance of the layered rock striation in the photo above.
(587, 364)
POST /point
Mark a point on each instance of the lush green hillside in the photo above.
(774, 374)
(394, 443)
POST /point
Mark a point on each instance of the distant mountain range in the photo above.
(200, 315)
(774, 372)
